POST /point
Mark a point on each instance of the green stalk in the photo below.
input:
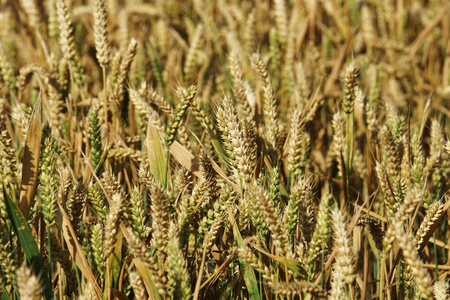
(349, 149)
(49, 246)
(78, 276)
(288, 183)
(321, 265)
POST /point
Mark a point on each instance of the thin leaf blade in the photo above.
(30, 163)
(28, 244)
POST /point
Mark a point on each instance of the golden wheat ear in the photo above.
(67, 42)
(100, 33)
(30, 287)
(343, 273)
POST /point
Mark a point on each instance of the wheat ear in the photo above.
(100, 33)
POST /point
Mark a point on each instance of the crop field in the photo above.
(224, 149)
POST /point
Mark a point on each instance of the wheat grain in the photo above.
(344, 264)
(186, 96)
(441, 290)
(290, 289)
(138, 286)
(349, 89)
(30, 8)
(100, 33)
(193, 53)
(112, 223)
(8, 262)
(160, 220)
(6, 70)
(140, 252)
(48, 182)
(123, 71)
(177, 273)
(434, 212)
(75, 207)
(29, 284)
(269, 103)
(422, 278)
(66, 41)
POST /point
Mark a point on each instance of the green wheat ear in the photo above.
(186, 96)
(48, 182)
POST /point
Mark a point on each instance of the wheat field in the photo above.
(226, 149)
